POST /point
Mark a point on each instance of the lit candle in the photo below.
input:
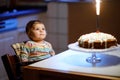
(97, 13)
(98, 7)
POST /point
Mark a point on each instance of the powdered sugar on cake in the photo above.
(92, 37)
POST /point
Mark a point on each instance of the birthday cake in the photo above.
(97, 40)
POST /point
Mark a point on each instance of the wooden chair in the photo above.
(12, 66)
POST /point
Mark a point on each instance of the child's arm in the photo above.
(24, 57)
(52, 52)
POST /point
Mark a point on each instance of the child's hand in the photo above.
(52, 53)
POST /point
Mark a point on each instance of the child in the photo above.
(37, 48)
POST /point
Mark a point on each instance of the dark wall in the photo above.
(82, 19)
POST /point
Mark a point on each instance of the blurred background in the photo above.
(65, 21)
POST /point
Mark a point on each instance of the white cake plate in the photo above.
(74, 46)
(93, 59)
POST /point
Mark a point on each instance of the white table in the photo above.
(74, 63)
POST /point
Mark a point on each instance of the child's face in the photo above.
(38, 32)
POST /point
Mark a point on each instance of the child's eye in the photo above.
(37, 29)
(43, 28)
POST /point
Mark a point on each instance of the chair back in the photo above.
(12, 66)
(17, 47)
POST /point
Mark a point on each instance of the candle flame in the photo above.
(98, 7)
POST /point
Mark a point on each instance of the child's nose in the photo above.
(41, 30)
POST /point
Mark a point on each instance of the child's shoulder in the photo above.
(29, 43)
(48, 43)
